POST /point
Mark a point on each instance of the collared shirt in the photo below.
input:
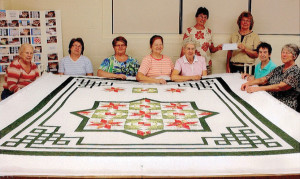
(187, 69)
(266, 70)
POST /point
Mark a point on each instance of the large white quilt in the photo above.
(63, 125)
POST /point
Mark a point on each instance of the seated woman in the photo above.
(265, 66)
(189, 66)
(75, 63)
(118, 65)
(155, 67)
(283, 81)
(20, 72)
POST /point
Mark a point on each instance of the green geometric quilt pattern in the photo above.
(97, 117)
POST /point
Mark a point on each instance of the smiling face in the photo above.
(189, 51)
(287, 56)
(26, 54)
(263, 54)
(201, 19)
(157, 46)
(120, 48)
(245, 23)
(76, 48)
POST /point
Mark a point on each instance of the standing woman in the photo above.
(247, 41)
(21, 72)
(75, 63)
(203, 36)
(283, 81)
(119, 65)
(156, 66)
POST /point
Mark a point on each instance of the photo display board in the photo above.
(41, 29)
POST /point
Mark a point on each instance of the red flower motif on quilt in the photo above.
(114, 89)
(114, 106)
(181, 124)
(105, 124)
(175, 90)
(189, 30)
(176, 106)
(205, 113)
(143, 113)
(205, 46)
(199, 35)
(142, 133)
(197, 53)
(84, 112)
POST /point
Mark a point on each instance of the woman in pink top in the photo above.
(155, 67)
(190, 66)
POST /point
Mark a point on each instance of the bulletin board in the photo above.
(41, 29)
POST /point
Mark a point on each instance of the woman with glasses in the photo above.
(119, 65)
(75, 63)
(247, 42)
(203, 36)
(283, 82)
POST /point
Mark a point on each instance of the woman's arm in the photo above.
(249, 52)
(105, 74)
(142, 78)
(179, 78)
(276, 87)
(258, 81)
(214, 49)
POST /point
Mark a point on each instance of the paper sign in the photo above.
(231, 46)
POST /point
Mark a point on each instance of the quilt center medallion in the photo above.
(144, 117)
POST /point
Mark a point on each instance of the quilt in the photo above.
(96, 117)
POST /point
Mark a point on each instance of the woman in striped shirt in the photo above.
(20, 72)
(156, 67)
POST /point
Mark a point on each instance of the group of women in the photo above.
(194, 63)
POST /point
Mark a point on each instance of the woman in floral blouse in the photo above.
(118, 65)
(283, 81)
(203, 36)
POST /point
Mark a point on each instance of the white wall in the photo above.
(91, 20)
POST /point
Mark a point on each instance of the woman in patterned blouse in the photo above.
(118, 65)
(203, 36)
(284, 81)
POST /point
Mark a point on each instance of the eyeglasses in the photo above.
(77, 46)
(123, 45)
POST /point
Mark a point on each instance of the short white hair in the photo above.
(190, 40)
(23, 46)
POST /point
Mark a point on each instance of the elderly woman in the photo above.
(189, 66)
(203, 36)
(156, 66)
(20, 72)
(118, 65)
(75, 63)
(247, 42)
(265, 66)
(283, 81)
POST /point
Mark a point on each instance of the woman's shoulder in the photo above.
(131, 59)
(200, 58)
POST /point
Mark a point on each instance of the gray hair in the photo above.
(23, 46)
(293, 48)
(190, 40)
